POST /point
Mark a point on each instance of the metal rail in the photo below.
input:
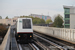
(32, 46)
(19, 47)
(42, 46)
(54, 44)
(35, 46)
(54, 40)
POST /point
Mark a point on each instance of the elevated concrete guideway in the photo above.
(60, 33)
(8, 40)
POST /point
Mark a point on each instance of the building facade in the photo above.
(8, 21)
(40, 16)
(69, 17)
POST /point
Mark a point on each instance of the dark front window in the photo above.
(26, 23)
(67, 21)
(67, 16)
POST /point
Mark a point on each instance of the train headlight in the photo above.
(30, 36)
(19, 36)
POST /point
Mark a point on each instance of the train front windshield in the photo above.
(26, 24)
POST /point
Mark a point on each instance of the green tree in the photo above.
(24, 16)
(35, 20)
(0, 17)
(31, 17)
(38, 21)
(6, 17)
(48, 21)
(42, 21)
(58, 21)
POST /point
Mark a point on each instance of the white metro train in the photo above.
(24, 30)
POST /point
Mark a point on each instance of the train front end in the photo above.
(24, 30)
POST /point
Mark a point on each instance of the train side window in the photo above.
(26, 24)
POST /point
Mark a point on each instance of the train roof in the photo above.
(24, 18)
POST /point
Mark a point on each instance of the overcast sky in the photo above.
(13, 8)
